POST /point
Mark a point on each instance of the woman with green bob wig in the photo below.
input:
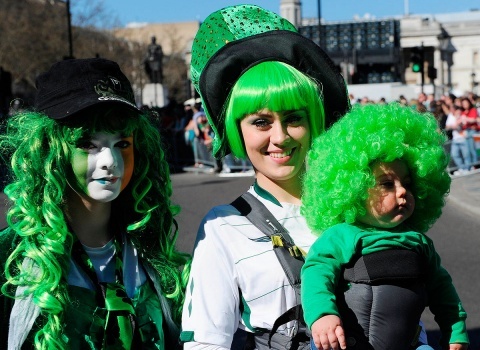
(89, 259)
(267, 92)
(376, 182)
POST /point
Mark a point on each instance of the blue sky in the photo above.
(332, 10)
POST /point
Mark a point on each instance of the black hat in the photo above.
(70, 86)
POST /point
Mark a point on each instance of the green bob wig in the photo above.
(276, 86)
(339, 164)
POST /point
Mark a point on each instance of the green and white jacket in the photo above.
(236, 280)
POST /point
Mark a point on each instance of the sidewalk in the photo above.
(465, 191)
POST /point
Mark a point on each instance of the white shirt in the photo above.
(452, 124)
(232, 255)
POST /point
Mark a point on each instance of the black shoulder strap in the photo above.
(263, 219)
(260, 216)
(256, 212)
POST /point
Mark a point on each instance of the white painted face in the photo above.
(103, 165)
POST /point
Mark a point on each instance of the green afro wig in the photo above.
(339, 165)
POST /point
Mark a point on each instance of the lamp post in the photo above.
(319, 11)
(444, 43)
(69, 24)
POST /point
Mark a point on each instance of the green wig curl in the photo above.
(339, 165)
(276, 86)
(41, 150)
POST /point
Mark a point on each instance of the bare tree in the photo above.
(34, 35)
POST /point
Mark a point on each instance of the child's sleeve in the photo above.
(322, 271)
(444, 302)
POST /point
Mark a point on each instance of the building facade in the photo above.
(370, 52)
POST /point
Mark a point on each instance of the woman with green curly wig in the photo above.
(89, 255)
(376, 182)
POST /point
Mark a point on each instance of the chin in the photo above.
(104, 196)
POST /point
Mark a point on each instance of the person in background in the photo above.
(459, 148)
(376, 182)
(382, 101)
(429, 101)
(88, 259)
(436, 108)
(352, 99)
(471, 125)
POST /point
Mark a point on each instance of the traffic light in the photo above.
(432, 73)
(416, 57)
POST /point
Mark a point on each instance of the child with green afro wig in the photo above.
(376, 182)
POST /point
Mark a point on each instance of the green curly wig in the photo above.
(339, 163)
(40, 149)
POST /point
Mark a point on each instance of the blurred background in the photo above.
(386, 51)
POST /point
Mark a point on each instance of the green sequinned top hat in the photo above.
(233, 39)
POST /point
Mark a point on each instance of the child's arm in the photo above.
(322, 271)
(327, 333)
(445, 303)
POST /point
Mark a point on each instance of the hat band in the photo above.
(227, 65)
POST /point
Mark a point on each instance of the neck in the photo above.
(88, 219)
(287, 191)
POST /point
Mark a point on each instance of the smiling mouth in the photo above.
(280, 155)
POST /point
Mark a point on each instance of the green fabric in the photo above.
(86, 322)
(218, 30)
(227, 25)
(342, 243)
(187, 336)
(120, 318)
(265, 194)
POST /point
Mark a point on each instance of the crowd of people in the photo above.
(89, 261)
(457, 116)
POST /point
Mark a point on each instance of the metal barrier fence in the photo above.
(229, 164)
(183, 156)
(452, 166)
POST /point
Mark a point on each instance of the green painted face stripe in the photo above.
(79, 167)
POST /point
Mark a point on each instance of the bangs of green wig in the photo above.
(275, 86)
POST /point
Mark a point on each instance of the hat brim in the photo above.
(74, 106)
(231, 61)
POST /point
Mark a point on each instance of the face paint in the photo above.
(103, 165)
(128, 161)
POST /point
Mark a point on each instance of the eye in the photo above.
(295, 117)
(86, 145)
(261, 123)
(123, 144)
(387, 184)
